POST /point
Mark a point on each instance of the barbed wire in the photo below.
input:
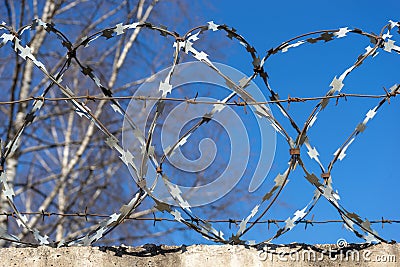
(185, 44)
(188, 100)
(87, 215)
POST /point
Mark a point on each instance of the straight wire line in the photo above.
(195, 101)
(45, 214)
(99, 215)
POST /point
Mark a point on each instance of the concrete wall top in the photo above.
(205, 255)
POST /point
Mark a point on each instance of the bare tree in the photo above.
(61, 163)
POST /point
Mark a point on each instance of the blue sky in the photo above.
(367, 178)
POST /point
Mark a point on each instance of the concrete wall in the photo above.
(204, 255)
